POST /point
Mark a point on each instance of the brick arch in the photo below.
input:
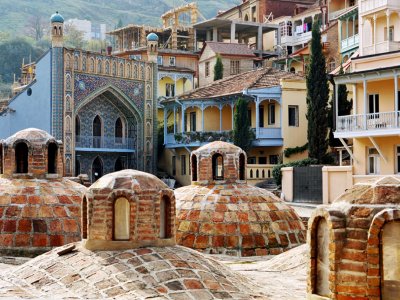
(336, 226)
(133, 207)
(374, 250)
(171, 216)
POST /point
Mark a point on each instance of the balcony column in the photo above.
(233, 32)
(257, 117)
(388, 26)
(220, 117)
(336, 105)
(375, 33)
(354, 27)
(340, 33)
(365, 103)
(233, 112)
(396, 98)
(174, 119)
(202, 117)
(347, 28)
(354, 99)
(215, 34)
(260, 39)
(165, 125)
(183, 120)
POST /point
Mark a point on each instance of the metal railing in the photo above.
(383, 120)
(98, 142)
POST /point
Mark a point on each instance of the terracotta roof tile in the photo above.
(230, 49)
(235, 84)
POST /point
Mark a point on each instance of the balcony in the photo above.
(101, 144)
(268, 136)
(335, 14)
(195, 138)
(349, 43)
(257, 172)
(302, 38)
(375, 124)
(382, 47)
(369, 6)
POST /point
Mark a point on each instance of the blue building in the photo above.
(102, 107)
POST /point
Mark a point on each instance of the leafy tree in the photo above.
(242, 134)
(344, 109)
(12, 52)
(218, 69)
(36, 27)
(317, 98)
(95, 45)
(73, 37)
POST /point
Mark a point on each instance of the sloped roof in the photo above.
(235, 84)
(229, 49)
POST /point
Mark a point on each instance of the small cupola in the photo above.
(57, 30)
(31, 153)
(218, 162)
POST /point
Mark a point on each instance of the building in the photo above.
(373, 125)
(102, 107)
(354, 246)
(39, 208)
(220, 213)
(236, 59)
(277, 108)
(91, 31)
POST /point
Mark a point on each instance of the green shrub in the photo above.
(290, 151)
(276, 171)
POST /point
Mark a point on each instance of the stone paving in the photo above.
(158, 273)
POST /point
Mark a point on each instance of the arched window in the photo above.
(99, 66)
(390, 249)
(84, 218)
(292, 70)
(218, 166)
(321, 254)
(21, 158)
(121, 219)
(242, 167)
(114, 69)
(165, 218)
(107, 67)
(97, 132)
(67, 61)
(135, 71)
(118, 131)
(68, 103)
(246, 17)
(91, 65)
(84, 63)
(77, 167)
(68, 82)
(121, 70)
(194, 167)
(128, 71)
(97, 169)
(119, 165)
(76, 62)
(52, 158)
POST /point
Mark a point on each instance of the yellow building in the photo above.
(374, 125)
(277, 107)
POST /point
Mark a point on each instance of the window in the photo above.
(271, 114)
(119, 165)
(207, 69)
(121, 219)
(286, 28)
(183, 164)
(235, 67)
(97, 169)
(390, 249)
(251, 160)
(398, 159)
(21, 158)
(173, 165)
(77, 129)
(172, 61)
(261, 116)
(159, 60)
(262, 160)
(294, 115)
(170, 90)
(165, 218)
(373, 103)
(52, 158)
(242, 167)
(193, 121)
(194, 167)
(97, 132)
(218, 166)
(273, 159)
(373, 161)
(118, 131)
(77, 167)
(391, 34)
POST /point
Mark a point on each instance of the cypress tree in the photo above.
(317, 98)
(242, 134)
(218, 69)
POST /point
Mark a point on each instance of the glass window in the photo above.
(373, 161)
(170, 90)
(207, 69)
(273, 159)
(235, 67)
(262, 160)
(294, 115)
(159, 60)
(261, 116)
(373, 103)
(271, 114)
(173, 165)
(193, 121)
(172, 61)
(183, 164)
(398, 159)
(251, 161)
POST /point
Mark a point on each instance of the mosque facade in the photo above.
(101, 107)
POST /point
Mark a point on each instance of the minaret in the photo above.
(152, 47)
(57, 30)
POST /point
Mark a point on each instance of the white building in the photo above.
(91, 31)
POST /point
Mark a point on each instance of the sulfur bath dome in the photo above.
(221, 213)
(39, 209)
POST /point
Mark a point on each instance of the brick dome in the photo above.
(384, 190)
(221, 213)
(38, 208)
(126, 210)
